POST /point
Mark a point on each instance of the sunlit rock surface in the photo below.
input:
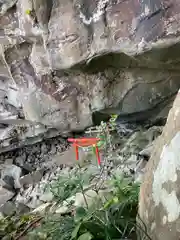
(159, 205)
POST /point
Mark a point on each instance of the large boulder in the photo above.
(159, 203)
(64, 60)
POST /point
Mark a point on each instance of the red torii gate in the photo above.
(85, 142)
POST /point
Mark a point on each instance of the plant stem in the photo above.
(82, 190)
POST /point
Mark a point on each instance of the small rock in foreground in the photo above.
(5, 195)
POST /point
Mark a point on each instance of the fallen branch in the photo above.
(28, 227)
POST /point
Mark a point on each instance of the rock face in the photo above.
(159, 204)
(63, 60)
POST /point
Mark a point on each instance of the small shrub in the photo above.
(28, 12)
(113, 218)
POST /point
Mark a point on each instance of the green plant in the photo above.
(69, 184)
(106, 128)
(112, 121)
(111, 218)
(103, 131)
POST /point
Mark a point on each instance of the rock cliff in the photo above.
(61, 61)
